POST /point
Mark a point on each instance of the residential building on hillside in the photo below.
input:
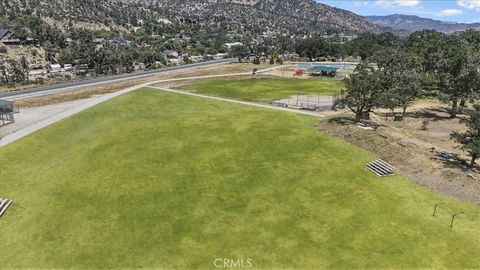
(8, 37)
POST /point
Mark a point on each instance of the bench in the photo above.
(4, 204)
(380, 168)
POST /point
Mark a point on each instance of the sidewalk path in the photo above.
(266, 106)
(42, 124)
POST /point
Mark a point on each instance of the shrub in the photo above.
(40, 81)
(425, 124)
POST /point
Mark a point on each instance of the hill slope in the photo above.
(415, 23)
(285, 16)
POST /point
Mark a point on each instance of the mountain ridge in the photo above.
(416, 23)
(282, 16)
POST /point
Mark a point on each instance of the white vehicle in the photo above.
(53, 68)
(68, 67)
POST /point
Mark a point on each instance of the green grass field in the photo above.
(265, 89)
(159, 180)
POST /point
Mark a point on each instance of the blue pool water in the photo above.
(341, 66)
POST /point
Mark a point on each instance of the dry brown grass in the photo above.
(416, 161)
(99, 90)
(75, 95)
(25, 86)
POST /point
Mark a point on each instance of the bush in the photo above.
(425, 124)
(3, 50)
(40, 81)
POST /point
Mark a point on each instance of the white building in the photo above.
(232, 44)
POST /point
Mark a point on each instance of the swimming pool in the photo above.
(339, 65)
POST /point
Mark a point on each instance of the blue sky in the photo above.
(446, 10)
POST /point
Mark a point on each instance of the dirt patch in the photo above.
(75, 95)
(413, 149)
(99, 90)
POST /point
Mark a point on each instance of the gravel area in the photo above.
(33, 115)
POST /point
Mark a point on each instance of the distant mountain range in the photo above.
(238, 17)
(414, 23)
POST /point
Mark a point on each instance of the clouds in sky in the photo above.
(451, 12)
(401, 3)
(467, 4)
(360, 3)
(470, 4)
(467, 11)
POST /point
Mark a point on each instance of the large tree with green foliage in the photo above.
(457, 73)
(400, 78)
(362, 90)
(366, 44)
(25, 68)
(313, 48)
(239, 51)
(470, 139)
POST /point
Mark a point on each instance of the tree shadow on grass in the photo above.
(342, 120)
(433, 114)
(456, 163)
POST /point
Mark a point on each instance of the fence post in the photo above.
(435, 209)
(453, 218)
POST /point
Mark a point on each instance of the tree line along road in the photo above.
(48, 90)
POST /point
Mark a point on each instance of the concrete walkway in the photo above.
(42, 124)
(266, 106)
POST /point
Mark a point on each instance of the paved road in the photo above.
(42, 124)
(48, 90)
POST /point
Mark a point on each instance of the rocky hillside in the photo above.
(415, 23)
(242, 16)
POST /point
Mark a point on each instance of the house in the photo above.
(118, 42)
(68, 41)
(98, 43)
(54, 68)
(8, 37)
(233, 44)
(171, 54)
(175, 61)
(139, 66)
(219, 56)
(196, 59)
(32, 41)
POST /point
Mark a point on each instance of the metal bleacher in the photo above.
(4, 204)
(381, 168)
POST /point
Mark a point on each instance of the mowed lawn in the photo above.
(160, 180)
(265, 89)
